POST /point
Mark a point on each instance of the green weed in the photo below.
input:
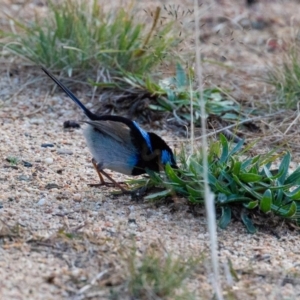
(240, 183)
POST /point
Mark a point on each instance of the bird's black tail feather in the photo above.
(87, 112)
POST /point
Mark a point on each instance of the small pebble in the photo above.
(48, 160)
(50, 186)
(64, 151)
(71, 124)
(42, 201)
(77, 198)
(36, 121)
(26, 164)
(59, 171)
(131, 221)
(24, 178)
(47, 145)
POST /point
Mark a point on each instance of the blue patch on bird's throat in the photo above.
(165, 157)
(132, 161)
(144, 134)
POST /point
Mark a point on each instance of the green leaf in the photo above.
(284, 167)
(225, 217)
(251, 204)
(220, 187)
(166, 104)
(156, 107)
(230, 116)
(248, 223)
(221, 198)
(235, 198)
(214, 151)
(225, 148)
(291, 212)
(269, 173)
(279, 197)
(250, 177)
(173, 176)
(247, 188)
(236, 166)
(255, 159)
(294, 177)
(237, 147)
(266, 201)
(246, 163)
(294, 195)
(194, 192)
(158, 195)
(181, 79)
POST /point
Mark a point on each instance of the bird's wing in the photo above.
(117, 130)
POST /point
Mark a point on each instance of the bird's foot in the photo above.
(114, 184)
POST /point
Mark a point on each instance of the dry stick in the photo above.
(209, 196)
(258, 118)
(93, 281)
(241, 122)
(294, 121)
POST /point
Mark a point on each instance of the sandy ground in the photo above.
(61, 239)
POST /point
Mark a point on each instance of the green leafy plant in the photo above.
(241, 184)
(174, 95)
(79, 35)
(179, 91)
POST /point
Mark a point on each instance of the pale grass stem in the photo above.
(208, 195)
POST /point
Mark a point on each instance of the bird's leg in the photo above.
(102, 182)
(96, 167)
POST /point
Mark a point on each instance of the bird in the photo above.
(120, 144)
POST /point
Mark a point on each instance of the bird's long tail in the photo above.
(87, 112)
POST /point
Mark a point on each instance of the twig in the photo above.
(93, 281)
(241, 122)
(294, 121)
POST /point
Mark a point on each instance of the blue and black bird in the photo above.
(119, 144)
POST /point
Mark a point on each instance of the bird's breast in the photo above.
(109, 152)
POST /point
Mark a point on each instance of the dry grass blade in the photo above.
(208, 195)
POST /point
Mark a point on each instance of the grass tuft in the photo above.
(159, 276)
(79, 35)
(286, 79)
